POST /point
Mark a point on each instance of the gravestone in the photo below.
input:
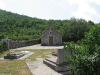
(13, 55)
(60, 64)
(62, 56)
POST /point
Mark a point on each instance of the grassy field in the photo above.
(19, 67)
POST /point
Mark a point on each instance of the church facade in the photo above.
(51, 37)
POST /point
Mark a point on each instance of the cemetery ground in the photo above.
(19, 67)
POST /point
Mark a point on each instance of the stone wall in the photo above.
(11, 44)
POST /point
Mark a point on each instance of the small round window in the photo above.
(50, 32)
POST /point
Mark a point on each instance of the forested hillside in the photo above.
(21, 27)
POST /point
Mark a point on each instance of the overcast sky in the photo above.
(55, 9)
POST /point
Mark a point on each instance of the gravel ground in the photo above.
(38, 46)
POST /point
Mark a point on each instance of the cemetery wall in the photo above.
(11, 44)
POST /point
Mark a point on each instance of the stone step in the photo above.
(53, 65)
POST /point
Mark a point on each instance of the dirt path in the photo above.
(38, 46)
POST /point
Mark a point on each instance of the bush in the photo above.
(3, 47)
(85, 58)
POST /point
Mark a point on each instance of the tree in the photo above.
(85, 58)
(1, 36)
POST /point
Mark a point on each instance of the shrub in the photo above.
(85, 58)
(3, 47)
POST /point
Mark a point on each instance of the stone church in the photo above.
(51, 37)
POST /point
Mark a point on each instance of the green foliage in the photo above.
(1, 36)
(74, 29)
(85, 58)
(21, 27)
(3, 47)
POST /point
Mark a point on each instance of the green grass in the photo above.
(4, 53)
(19, 67)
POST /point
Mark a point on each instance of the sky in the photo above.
(55, 9)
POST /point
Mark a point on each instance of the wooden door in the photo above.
(50, 40)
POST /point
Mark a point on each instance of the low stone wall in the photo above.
(11, 44)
